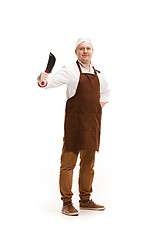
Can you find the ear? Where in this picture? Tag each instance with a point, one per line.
(76, 51)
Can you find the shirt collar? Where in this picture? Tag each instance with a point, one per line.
(84, 66)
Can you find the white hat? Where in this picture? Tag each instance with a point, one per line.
(80, 40)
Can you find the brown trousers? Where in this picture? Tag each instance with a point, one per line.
(86, 173)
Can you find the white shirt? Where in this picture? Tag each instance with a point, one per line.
(70, 76)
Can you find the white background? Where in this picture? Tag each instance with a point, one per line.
(126, 37)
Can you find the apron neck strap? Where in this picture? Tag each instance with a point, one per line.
(79, 66)
(95, 71)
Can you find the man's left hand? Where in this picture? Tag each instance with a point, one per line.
(103, 103)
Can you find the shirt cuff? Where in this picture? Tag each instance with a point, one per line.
(104, 97)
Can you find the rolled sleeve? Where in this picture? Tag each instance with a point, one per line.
(57, 79)
(104, 89)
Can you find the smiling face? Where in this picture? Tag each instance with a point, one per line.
(84, 52)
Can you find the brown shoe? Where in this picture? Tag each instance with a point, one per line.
(90, 205)
(69, 210)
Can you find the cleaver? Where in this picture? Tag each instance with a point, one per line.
(50, 64)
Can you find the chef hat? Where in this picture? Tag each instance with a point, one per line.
(80, 40)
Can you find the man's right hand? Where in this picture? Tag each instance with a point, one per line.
(42, 79)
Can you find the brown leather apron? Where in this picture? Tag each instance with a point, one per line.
(82, 125)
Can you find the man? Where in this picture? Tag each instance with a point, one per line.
(87, 92)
